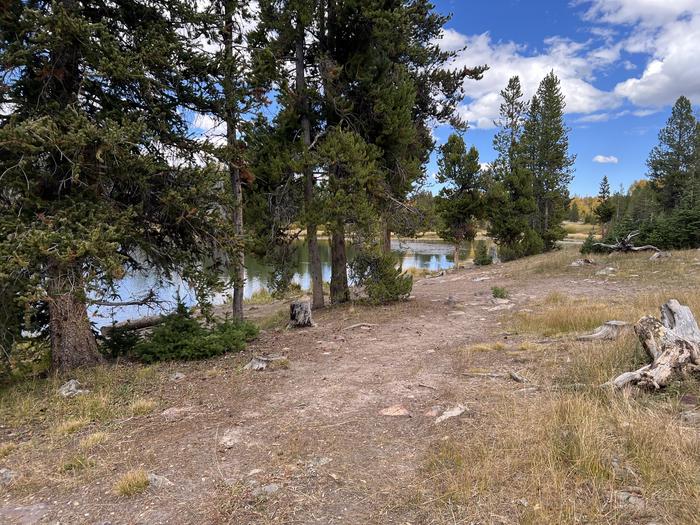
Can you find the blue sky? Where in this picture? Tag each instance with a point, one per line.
(622, 64)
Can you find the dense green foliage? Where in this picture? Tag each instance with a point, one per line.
(666, 210)
(381, 275)
(460, 202)
(481, 254)
(181, 337)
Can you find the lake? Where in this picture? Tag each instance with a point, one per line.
(429, 255)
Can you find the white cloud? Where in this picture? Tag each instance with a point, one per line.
(573, 62)
(667, 32)
(606, 159)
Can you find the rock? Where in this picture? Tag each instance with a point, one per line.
(660, 255)
(319, 462)
(72, 389)
(583, 262)
(7, 476)
(630, 497)
(231, 438)
(396, 411)
(159, 482)
(689, 400)
(690, 417)
(266, 490)
(479, 279)
(262, 362)
(177, 376)
(24, 514)
(434, 411)
(451, 301)
(452, 412)
(175, 413)
(255, 472)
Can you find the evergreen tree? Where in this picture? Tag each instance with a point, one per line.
(510, 199)
(546, 147)
(605, 211)
(100, 172)
(459, 204)
(671, 162)
(574, 215)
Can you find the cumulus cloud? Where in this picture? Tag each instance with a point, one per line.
(574, 63)
(606, 159)
(667, 32)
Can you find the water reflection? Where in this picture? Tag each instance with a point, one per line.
(424, 255)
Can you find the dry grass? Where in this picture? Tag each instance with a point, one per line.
(69, 426)
(262, 296)
(77, 463)
(558, 314)
(141, 407)
(133, 482)
(561, 459)
(6, 449)
(93, 440)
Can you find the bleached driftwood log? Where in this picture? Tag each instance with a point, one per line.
(626, 245)
(300, 314)
(606, 332)
(672, 343)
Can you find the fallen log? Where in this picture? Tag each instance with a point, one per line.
(609, 331)
(133, 324)
(672, 343)
(626, 245)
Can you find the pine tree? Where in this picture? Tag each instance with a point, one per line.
(671, 162)
(100, 172)
(574, 215)
(460, 203)
(605, 210)
(546, 146)
(510, 199)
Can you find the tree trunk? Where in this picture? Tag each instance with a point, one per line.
(315, 269)
(456, 256)
(339, 273)
(73, 343)
(234, 169)
(386, 236)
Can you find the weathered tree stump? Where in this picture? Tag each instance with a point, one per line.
(300, 314)
(606, 332)
(673, 345)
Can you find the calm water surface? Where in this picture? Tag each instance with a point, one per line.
(428, 255)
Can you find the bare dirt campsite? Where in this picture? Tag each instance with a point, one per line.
(451, 407)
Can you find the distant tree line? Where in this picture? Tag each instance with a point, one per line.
(665, 209)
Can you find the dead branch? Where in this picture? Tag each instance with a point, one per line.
(626, 245)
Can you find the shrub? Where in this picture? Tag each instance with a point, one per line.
(499, 293)
(381, 275)
(119, 342)
(588, 245)
(182, 337)
(481, 254)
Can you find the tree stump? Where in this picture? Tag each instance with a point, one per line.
(300, 314)
(673, 345)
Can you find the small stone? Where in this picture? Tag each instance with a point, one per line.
(177, 376)
(452, 412)
(396, 411)
(689, 400)
(606, 271)
(582, 262)
(630, 497)
(72, 389)
(690, 417)
(255, 472)
(230, 438)
(7, 476)
(266, 490)
(319, 462)
(154, 480)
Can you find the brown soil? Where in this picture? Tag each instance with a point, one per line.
(311, 428)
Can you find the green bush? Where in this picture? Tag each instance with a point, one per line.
(481, 254)
(499, 292)
(381, 275)
(180, 337)
(588, 245)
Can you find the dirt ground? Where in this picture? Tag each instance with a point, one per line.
(308, 442)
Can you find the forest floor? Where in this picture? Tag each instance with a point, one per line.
(346, 429)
